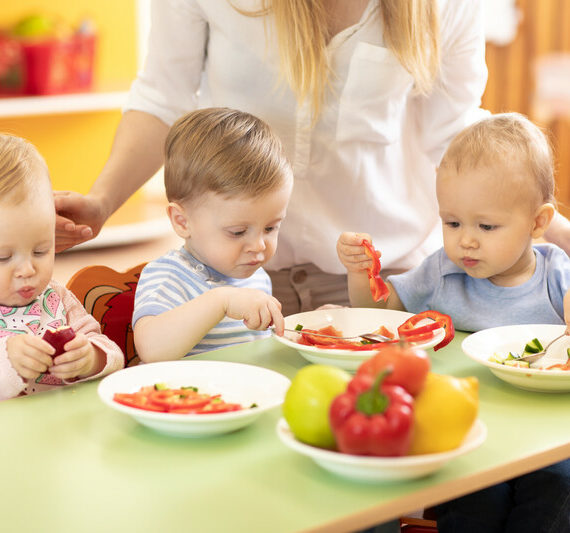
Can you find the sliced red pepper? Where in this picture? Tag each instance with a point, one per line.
(408, 328)
(137, 400)
(378, 288)
(358, 347)
(219, 407)
(171, 399)
(385, 332)
(418, 337)
(178, 401)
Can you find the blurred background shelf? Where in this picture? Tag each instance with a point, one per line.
(62, 103)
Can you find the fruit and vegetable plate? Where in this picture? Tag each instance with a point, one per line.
(194, 398)
(424, 330)
(499, 348)
(393, 420)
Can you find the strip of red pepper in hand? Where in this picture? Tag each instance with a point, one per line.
(373, 418)
(378, 288)
(440, 320)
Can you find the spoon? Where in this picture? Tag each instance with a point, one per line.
(532, 358)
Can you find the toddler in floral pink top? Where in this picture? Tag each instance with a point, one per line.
(30, 301)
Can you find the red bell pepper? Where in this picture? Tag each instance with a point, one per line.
(373, 418)
(410, 367)
(378, 288)
(409, 328)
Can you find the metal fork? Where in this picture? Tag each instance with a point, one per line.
(374, 337)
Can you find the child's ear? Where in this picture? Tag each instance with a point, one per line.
(542, 219)
(178, 219)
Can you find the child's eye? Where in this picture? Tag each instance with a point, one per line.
(452, 224)
(240, 233)
(4, 258)
(40, 253)
(487, 227)
(269, 229)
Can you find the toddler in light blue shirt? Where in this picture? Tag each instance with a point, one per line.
(495, 189)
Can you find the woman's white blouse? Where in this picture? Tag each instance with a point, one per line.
(368, 164)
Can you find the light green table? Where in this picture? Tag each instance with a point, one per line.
(71, 464)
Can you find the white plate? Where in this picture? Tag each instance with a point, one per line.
(351, 321)
(366, 468)
(483, 344)
(236, 382)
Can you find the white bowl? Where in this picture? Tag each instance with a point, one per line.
(236, 382)
(367, 468)
(485, 343)
(351, 321)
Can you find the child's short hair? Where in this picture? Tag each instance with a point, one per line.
(507, 139)
(224, 151)
(19, 159)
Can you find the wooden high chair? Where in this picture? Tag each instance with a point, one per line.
(110, 297)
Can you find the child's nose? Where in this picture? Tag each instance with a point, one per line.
(25, 269)
(468, 240)
(258, 244)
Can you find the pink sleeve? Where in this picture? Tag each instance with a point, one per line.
(82, 322)
(11, 384)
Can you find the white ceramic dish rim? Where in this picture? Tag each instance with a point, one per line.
(106, 391)
(554, 374)
(352, 354)
(476, 436)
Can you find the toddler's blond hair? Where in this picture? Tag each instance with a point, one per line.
(19, 161)
(224, 151)
(505, 140)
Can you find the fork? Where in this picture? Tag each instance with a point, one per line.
(532, 358)
(374, 337)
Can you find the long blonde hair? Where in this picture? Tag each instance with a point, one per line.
(411, 32)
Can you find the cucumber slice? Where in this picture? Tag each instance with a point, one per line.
(534, 346)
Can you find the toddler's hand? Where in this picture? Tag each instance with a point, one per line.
(80, 359)
(29, 355)
(351, 252)
(257, 309)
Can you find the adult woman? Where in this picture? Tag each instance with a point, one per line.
(364, 94)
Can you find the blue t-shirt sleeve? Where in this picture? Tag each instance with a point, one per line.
(557, 266)
(416, 287)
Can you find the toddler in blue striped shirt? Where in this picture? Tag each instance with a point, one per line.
(228, 183)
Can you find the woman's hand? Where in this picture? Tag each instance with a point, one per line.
(351, 252)
(78, 218)
(81, 359)
(29, 355)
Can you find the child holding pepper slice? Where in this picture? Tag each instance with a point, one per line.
(495, 189)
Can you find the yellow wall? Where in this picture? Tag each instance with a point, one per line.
(76, 145)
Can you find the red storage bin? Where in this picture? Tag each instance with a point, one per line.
(47, 66)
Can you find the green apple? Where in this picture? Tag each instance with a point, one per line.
(34, 26)
(307, 402)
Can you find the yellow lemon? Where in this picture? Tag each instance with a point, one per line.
(444, 412)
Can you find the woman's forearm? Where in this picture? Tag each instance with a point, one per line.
(136, 155)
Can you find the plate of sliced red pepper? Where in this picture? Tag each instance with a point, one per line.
(429, 329)
(194, 398)
(372, 468)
